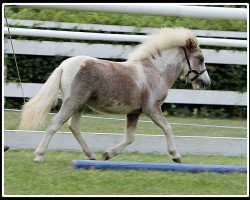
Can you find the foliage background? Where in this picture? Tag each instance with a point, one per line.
(36, 69)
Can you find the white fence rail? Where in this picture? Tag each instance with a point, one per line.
(113, 37)
(116, 28)
(50, 48)
(182, 96)
(163, 9)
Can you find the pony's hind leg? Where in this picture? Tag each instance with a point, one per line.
(69, 106)
(74, 126)
(159, 119)
(131, 124)
(56, 122)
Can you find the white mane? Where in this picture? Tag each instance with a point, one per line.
(164, 38)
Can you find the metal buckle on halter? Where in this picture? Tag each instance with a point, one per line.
(192, 70)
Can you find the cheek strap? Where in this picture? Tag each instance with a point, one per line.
(190, 69)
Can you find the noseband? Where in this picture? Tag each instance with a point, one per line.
(192, 70)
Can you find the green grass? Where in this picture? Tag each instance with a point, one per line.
(12, 119)
(22, 176)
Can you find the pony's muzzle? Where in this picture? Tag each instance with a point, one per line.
(202, 83)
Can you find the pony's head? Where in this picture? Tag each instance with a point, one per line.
(193, 67)
(194, 70)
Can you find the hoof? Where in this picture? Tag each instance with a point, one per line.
(177, 160)
(39, 158)
(92, 157)
(105, 156)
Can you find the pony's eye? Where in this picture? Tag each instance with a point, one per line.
(201, 59)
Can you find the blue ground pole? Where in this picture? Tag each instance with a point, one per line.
(88, 164)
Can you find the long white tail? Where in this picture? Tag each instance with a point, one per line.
(36, 111)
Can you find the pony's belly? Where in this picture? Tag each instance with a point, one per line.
(115, 107)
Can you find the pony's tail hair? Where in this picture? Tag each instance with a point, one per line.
(36, 110)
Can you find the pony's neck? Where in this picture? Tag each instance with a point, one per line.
(169, 63)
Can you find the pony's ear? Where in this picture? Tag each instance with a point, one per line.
(191, 44)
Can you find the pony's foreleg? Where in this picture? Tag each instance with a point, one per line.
(74, 126)
(131, 124)
(159, 119)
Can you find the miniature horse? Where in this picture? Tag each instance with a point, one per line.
(138, 85)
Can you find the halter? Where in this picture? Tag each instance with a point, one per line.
(192, 70)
